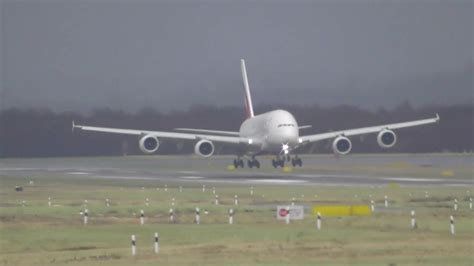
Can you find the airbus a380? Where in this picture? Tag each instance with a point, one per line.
(275, 132)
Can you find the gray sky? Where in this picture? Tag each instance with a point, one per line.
(79, 55)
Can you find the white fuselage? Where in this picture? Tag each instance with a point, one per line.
(272, 129)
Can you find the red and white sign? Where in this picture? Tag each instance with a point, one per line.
(296, 212)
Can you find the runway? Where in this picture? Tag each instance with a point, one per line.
(322, 170)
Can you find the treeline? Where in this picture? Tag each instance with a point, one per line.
(43, 133)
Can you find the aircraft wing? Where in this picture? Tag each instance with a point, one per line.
(207, 131)
(365, 130)
(167, 135)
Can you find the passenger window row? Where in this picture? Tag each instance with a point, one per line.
(286, 125)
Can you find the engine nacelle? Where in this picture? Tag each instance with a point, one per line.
(205, 148)
(341, 145)
(386, 138)
(149, 144)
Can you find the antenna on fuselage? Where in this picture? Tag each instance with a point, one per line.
(248, 99)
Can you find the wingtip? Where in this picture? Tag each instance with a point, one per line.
(437, 117)
(73, 126)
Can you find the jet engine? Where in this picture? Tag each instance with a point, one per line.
(386, 138)
(341, 145)
(149, 144)
(205, 148)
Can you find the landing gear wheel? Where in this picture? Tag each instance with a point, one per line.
(274, 163)
(250, 163)
(239, 163)
(296, 162)
(253, 163)
(300, 162)
(281, 163)
(257, 164)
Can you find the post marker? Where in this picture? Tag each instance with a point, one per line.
(142, 217)
(451, 221)
(318, 221)
(197, 218)
(134, 248)
(413, 220)
(86, 215)
(157, 243)
(231, 216)
(171, 215)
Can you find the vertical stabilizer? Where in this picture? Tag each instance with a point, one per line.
(248, 98)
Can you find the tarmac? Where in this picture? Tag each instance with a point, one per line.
(319, 170)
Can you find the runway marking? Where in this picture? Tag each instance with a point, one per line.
(410, 179)
(18, 169)
(125, 177)
(78, 173)
(188, 172)
(276, 181)
(309, 176)
(191, 177)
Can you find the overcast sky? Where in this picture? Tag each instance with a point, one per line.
(80, 55)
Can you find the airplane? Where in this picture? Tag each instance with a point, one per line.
(275, 132)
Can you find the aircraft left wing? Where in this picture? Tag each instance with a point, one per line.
(365, 130)
(207, 131)
(167, 135)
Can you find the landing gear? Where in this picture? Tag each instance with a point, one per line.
(278, 162)
(238, 163)
(296, 162)
(253, 162)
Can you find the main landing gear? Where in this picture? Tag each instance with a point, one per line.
(253, 162)
(296, 162)
(250, 163)
(277, 162)
(280, 162)
(238, 163)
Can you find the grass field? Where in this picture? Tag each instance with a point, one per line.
(36, 234)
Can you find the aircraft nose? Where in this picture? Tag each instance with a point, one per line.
(288, 135)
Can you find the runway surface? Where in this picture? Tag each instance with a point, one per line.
(354, 170)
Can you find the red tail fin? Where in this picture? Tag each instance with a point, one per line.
(248, 99)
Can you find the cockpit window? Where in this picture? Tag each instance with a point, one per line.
(286, 125)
